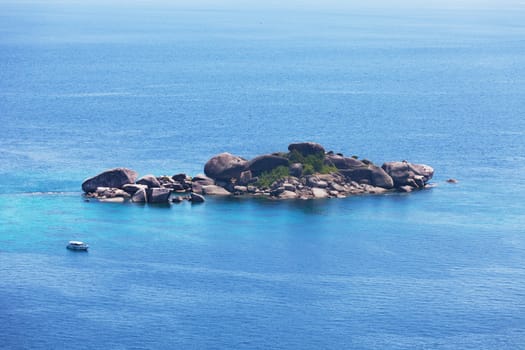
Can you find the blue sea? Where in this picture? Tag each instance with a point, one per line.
(161, 87)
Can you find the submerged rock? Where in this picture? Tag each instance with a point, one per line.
(319, 193)
(196, 198)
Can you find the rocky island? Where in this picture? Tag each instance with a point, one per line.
(306, 171)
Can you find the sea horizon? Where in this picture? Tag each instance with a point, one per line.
(162, 87)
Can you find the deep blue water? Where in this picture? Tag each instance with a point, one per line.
(161, 88)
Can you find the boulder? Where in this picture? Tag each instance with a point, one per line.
(109, 192)
(196, 198)
(266, 163)
(276, 191)
(341, 162)
(380, 178)
(318, 181)
(424, 170)
(225, 166)
(149, 180)
(158, 195)
(165, 180)
(214, 190)
(203, 180)
(307, 148)
(199, 181)
(240, 189)
(289, 187)
(288, 195)
(358, 175)
(319, 193)
(116, 178)
(180, 177)
(399, 172)
(133, 188)
(336, 187)
(140, 196)
(452, 181)
(404, 173)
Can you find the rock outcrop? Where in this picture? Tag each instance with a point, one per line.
(306, 172)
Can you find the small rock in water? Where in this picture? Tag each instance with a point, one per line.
(196, 198)
(452, 181)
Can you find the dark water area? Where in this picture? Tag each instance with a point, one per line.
(162, 88)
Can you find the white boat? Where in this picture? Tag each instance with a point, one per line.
(77, 245)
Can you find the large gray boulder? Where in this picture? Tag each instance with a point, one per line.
(266, 163)
(380, 178)
(225, 166)
(158, 195)
(307, 148)
(140, 196)
(399, 172)
(115, 178)
(407, 174)
(341, 162)
(214, 190)
(149, 180)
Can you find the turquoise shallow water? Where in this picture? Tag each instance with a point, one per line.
(162, 88)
